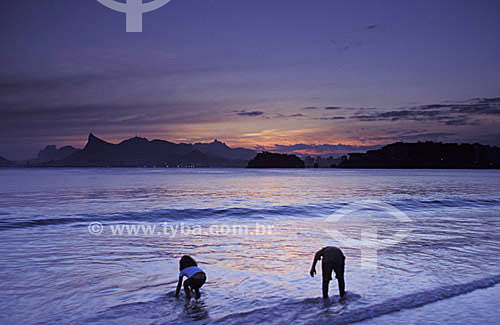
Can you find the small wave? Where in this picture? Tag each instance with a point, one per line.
(429, 204)
(165, 309)
(416, 300)
(163, 215)
(304, 311)
(5, 225)
(321, 210)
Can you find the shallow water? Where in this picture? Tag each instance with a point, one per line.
(52, 269)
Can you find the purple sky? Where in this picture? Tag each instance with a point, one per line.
(259, 74)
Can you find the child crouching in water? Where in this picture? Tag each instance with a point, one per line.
(195, 277)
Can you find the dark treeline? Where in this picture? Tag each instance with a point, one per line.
(427, 155)
(275, 160)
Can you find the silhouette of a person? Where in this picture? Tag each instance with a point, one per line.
(332, 260)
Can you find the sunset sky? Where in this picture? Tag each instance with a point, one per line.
(281, 75)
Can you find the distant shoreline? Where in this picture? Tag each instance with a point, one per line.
(142, 153)
(244, 168)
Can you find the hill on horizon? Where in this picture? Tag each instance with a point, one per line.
(5, 162)
(275, 160)
(141, 152)
(427, 155)
(137, 151)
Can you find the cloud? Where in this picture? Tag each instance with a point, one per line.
(488, 138)
(458, 114)
(333, 118)
(317, 149)
(285, 116)
(252, 113)
(69, 120)
(18, 86)
(462, 121)
(429, 136)
(345, 45)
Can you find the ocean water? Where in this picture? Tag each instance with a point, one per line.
(54, 268)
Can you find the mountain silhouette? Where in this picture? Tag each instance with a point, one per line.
(5, 163)
(220, 149)
(51, 152)
(138, 152)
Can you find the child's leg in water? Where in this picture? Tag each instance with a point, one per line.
(340, 279)
(187, 289)
(326, 283)
(196, 292)
(326, 270)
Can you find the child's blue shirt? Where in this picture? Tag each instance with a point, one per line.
(190, 271)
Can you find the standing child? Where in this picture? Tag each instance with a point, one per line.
(332, 260)
(195, 277)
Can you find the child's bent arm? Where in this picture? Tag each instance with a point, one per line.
(317, 257)
(179, 285)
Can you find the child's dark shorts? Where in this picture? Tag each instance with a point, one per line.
(333, 266)
(197, 280)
